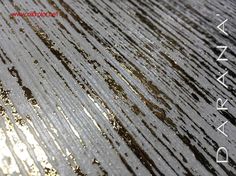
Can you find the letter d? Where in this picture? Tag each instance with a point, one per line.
(224, 150)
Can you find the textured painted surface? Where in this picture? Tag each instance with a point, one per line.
(115, 88)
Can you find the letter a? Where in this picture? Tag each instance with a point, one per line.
(221, 27)
(223, 79)
(223, 128)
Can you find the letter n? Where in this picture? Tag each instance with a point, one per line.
(224, 49)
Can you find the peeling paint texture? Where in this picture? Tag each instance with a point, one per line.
(111, 87)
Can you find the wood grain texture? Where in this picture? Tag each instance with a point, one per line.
(116, 87)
